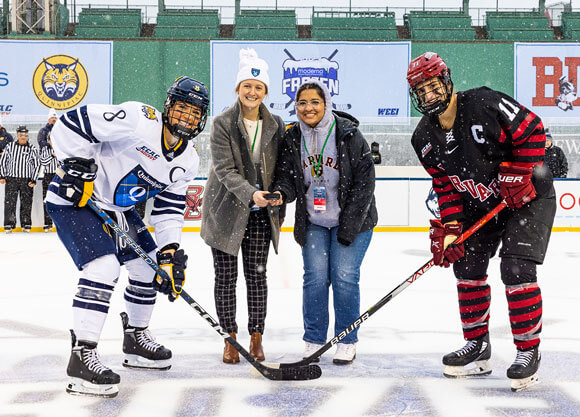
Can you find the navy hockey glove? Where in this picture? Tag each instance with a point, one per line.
(515, 185)
(77, 176)
(444, 251)
(174, 265)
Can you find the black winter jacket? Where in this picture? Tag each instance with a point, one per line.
(556, 160)
(358, 212)
(43, 135)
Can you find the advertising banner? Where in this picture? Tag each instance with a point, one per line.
(546, 78)
(366, 80)
(38, 75)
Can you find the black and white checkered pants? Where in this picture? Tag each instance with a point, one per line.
(255, 247)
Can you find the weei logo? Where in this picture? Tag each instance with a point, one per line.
(299, 71)
(60, 82)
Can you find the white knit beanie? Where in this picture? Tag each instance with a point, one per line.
(52, 113)
(252, 68)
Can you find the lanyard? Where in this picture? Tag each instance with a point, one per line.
(317, 165)
(256, 133)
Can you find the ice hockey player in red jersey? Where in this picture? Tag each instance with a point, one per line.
(481, 146)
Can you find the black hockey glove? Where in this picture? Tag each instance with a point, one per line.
(174, 265)
(77, 176)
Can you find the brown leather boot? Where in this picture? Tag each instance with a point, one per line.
(231, 355)
(256, 349)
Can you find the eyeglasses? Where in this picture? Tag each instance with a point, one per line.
(303, 103)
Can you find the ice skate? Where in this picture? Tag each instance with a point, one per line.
(470, 360)
(524, 371)
(141, 350)
(88, 375)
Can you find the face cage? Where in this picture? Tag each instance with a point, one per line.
(181, 131)
(439, 106)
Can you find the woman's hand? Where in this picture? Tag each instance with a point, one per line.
(259, 199)
(278, 202)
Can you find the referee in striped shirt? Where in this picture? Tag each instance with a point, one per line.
(19, 168)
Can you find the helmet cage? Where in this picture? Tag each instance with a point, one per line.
(186, 90)
(438, 106)
(424, 68)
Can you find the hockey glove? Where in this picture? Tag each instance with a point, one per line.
(444, 251)
(77, 176)
(515, 185)
(174, 265)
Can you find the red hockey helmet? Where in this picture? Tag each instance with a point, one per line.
(423, 68)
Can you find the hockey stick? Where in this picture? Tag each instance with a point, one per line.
(298, 372)
(416, 275)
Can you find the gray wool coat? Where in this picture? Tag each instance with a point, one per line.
(232, 178)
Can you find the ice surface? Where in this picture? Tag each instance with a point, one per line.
(398, 370)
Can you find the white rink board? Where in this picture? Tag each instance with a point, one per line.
(400, 203)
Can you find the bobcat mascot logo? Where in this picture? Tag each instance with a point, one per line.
(60, 82)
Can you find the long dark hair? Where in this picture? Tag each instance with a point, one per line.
(311, 86)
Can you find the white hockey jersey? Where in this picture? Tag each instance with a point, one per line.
(126, 142)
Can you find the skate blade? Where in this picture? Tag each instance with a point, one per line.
(139, 362)
(479, 368)
(524, 383)
(77, 386)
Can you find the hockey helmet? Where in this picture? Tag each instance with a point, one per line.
(190, 91)
(423, 68)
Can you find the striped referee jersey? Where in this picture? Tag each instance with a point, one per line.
(20, 161)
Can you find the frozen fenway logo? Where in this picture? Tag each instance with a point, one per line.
(299, 71)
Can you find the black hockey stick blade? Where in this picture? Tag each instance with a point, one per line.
(274, 373)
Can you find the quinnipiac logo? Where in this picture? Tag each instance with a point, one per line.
(60, 82)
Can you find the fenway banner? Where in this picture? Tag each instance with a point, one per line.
(364, 79)
(38, 75)
(546, 78)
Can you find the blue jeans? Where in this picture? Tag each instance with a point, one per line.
(328, 262)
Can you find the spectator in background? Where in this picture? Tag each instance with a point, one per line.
(44, 132)
(244, 145)
(19, 167)
(325, 164)
(5, 137)
(49, 162)
(555, 158)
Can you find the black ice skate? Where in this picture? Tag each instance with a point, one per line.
(88, 375)
(141, 350)
(524, 370)
(470, 360)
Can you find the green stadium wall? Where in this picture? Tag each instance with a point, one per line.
(144, 69)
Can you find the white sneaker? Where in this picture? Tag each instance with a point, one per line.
(345, 354)
(309, 349)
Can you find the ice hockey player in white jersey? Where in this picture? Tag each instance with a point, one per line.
(121, 155)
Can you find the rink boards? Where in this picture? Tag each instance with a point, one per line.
(403, 205)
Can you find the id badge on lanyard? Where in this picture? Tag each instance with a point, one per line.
(319, 198)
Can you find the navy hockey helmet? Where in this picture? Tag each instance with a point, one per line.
(186, 90)
(424, 68)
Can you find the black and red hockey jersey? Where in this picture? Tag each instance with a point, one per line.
(490, 128)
